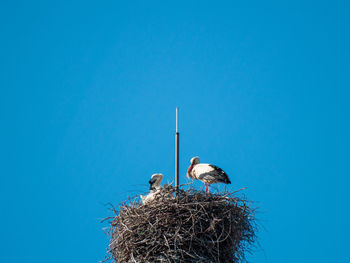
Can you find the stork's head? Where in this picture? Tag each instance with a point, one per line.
(154, 182)
(194, 161)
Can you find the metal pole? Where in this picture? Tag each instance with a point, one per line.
(177, 151)
(177, 135)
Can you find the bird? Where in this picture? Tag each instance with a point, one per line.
(154, 186)
(207, 173)
(154, 182)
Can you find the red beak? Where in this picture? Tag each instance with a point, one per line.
(189, 171)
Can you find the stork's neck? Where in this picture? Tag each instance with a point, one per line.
(189, 170)
(156, 185)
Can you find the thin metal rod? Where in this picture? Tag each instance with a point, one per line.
(177, 119)
(177, 150)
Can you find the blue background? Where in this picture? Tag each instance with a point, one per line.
(88, 97)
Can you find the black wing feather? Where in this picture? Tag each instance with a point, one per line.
(220, 174)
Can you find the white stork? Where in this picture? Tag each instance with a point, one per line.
(207, 173)
(154, 186)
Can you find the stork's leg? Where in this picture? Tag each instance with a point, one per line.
(208, 188)
(205, 184)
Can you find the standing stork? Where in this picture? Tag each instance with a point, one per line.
(154, 186)
(207, 173)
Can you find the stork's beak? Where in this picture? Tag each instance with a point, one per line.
(189, 170)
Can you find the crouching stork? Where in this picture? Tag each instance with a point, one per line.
(154, 187)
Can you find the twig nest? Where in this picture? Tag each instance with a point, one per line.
(188, 227)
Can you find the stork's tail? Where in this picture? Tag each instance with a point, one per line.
(226, 180)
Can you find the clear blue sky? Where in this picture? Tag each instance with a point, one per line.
(88, 96)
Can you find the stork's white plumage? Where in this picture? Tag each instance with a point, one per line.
(207, 173)
(154, 186)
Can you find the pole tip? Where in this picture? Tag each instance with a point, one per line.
(177, 119)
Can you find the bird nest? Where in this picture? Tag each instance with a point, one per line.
(189, 226)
